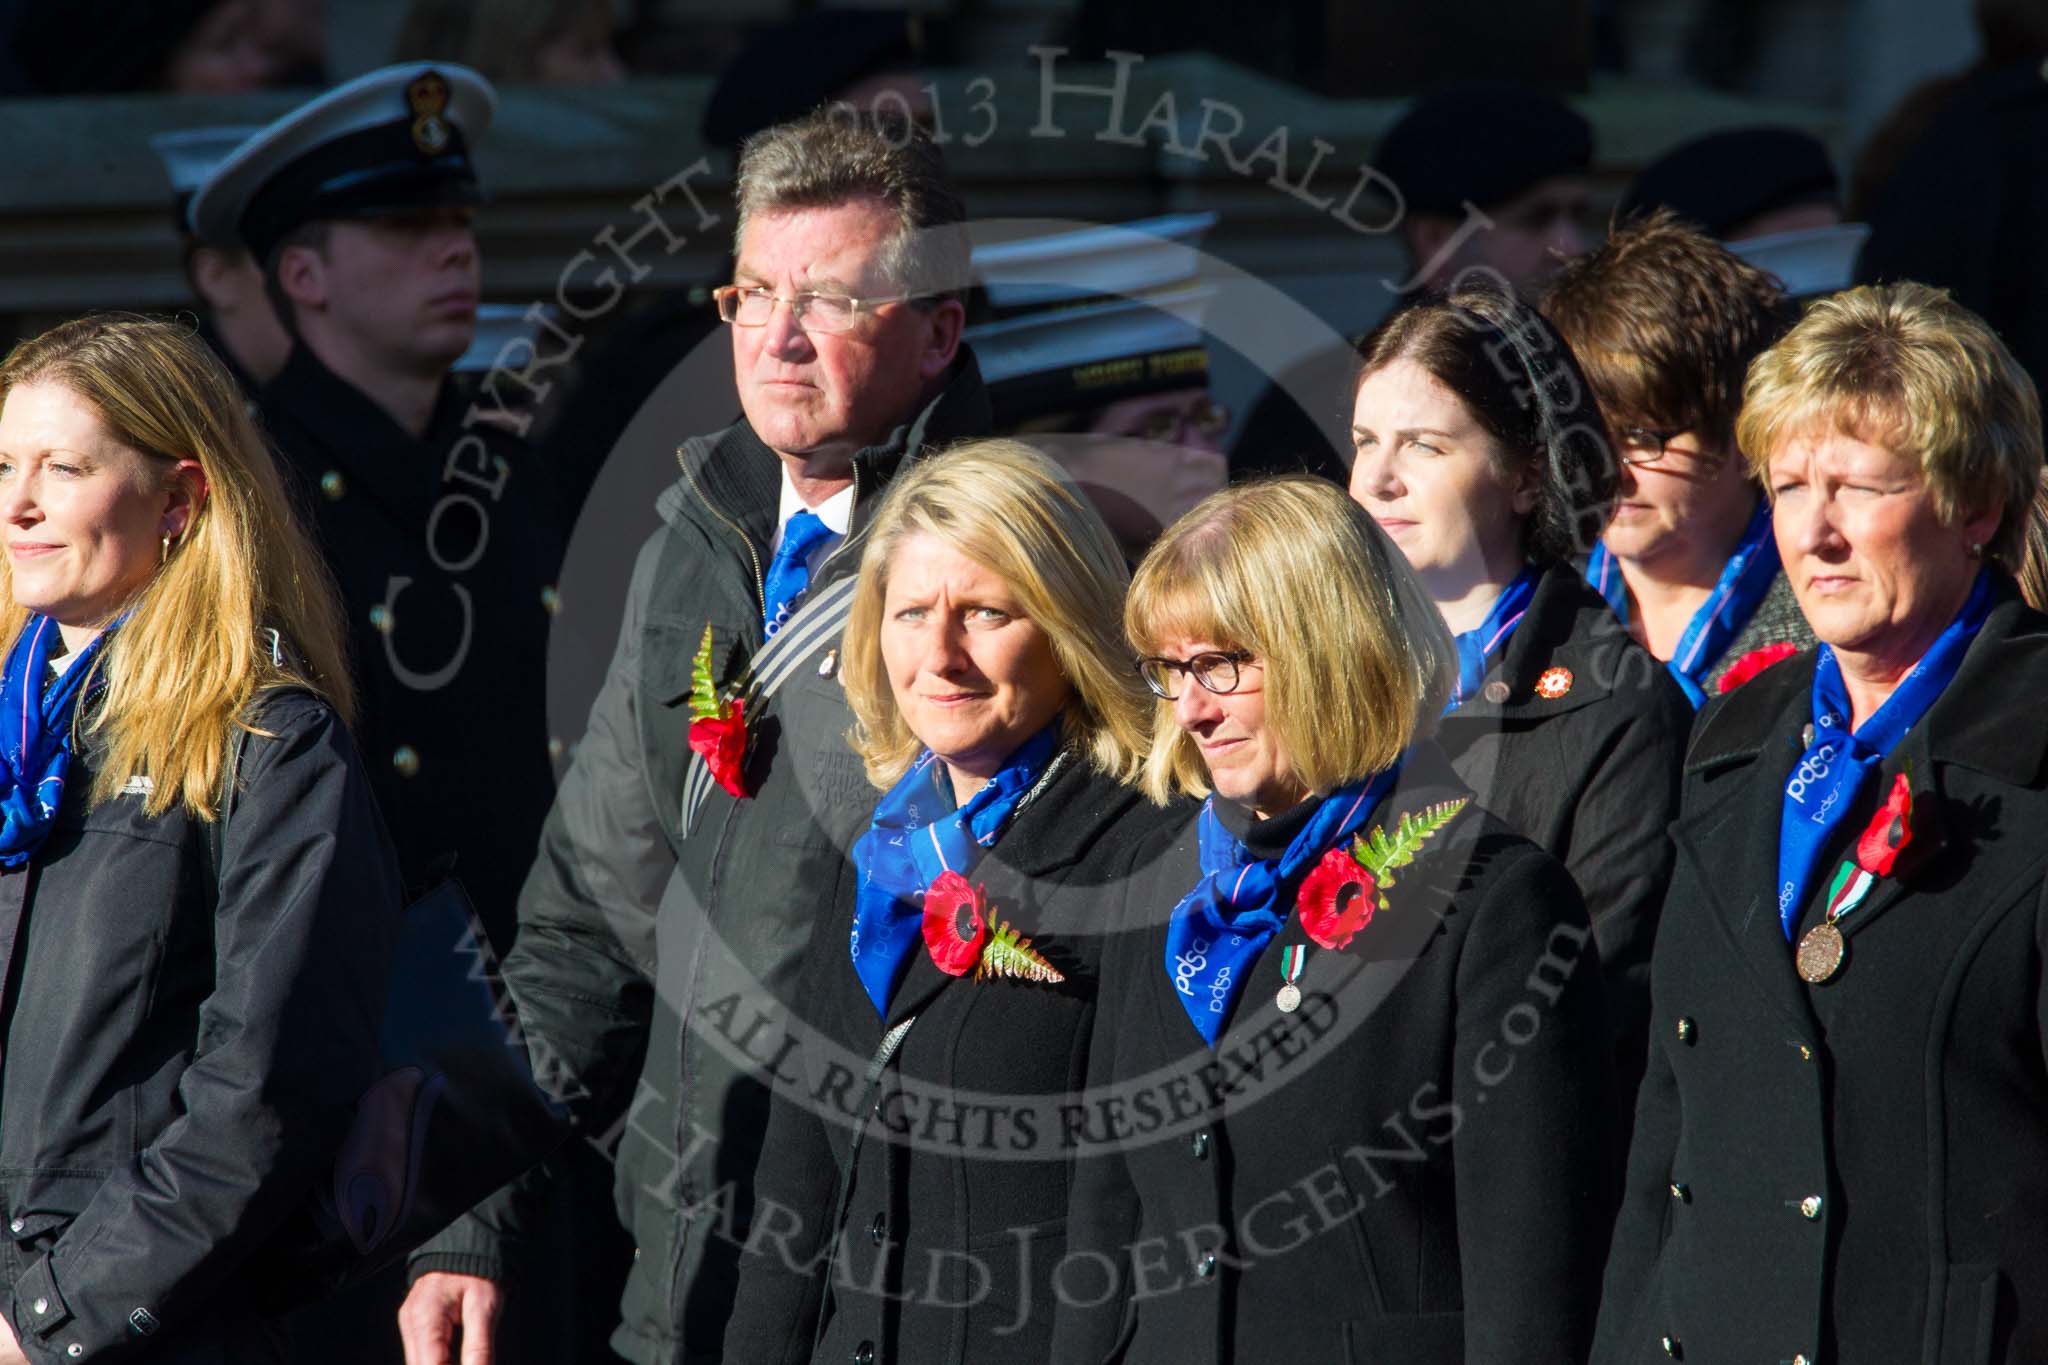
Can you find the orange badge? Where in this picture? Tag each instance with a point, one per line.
(1554, 683)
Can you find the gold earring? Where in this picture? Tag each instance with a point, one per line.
(163, 553)
(1976, 550)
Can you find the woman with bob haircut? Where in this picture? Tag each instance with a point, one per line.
(1481, 454)
(1841, 1150)
(1349, 1082)
(997, 712)
(186, 1032)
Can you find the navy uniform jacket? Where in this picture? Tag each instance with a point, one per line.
(446, 556)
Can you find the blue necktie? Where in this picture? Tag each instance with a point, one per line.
(789, 573)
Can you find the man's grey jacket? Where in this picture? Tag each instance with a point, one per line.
(650, 962)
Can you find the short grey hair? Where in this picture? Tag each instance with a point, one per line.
(837, 154)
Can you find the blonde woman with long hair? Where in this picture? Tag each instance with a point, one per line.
(185, 1033)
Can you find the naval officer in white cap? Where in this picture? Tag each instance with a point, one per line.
(358, 205)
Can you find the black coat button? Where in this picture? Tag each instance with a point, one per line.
(864, 1354)
(878, 1231)
(1200, 1146)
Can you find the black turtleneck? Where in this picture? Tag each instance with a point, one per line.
(1265, 839)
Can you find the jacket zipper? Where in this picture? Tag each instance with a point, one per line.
(753, 557)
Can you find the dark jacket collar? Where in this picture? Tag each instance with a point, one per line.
(1566, 625)
(1970, 724)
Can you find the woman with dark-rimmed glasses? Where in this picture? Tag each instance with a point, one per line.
(1664, 321)
(1347, 1084)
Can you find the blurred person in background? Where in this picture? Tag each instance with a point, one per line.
(207, 47)
(237, 318)
(1664, 322)
(516, 42)
(1953, 189)
(1769, 194)
(1493, 179)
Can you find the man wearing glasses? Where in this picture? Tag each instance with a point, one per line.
(675, 889)
(1664, 321)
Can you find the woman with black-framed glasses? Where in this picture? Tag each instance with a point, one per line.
(1665, 322)
(1348, 1079)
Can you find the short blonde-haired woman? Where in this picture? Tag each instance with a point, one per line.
(1844, 1126)
(1348, 1086)
(185, 1041)
(998, 712)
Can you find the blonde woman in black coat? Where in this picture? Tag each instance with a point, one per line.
(1841, 1151)
(1347, 1093)
(185, 1035)
(1480, 452)
(914, 1185)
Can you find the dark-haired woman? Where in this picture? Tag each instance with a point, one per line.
(1480, 453)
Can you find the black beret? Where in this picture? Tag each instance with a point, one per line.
(793, 68)
(1723, 180)
(1484, 143)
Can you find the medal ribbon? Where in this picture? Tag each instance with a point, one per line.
(1240, 902)
(1823, 785)
(917, 833)
(1477, 646)
(1744, 583)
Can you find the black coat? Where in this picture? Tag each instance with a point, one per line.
(180, 1064)
(453, 694)
(1411, 1168)
(1856, 1170)
(983, 1071)
(1590, 775)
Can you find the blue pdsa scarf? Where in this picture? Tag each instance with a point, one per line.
(917, 832)
(35, 736)
(1478, 646)
(1221, 926)
(1829, 774)
(1744, 583)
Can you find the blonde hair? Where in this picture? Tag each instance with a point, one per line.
(188, 660)
(1358, 663)
(1906, 366)
(1014, 512)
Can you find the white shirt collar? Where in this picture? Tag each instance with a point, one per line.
(836, 511)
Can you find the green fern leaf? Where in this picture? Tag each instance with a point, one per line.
(1380, 855)
(704, 704)
(1007, 955)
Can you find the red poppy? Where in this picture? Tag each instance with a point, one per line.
(955, 922)
(1755, 662)
(722, 739)
(1889, 831)
(1337, 899)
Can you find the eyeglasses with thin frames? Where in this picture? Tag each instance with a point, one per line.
(1215, 670)
(1657, 452)
(749, 305)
